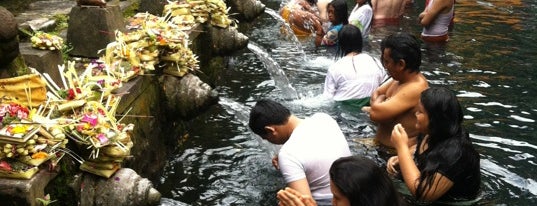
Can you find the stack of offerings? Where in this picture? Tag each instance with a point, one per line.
(180, 15)
(25, 145)
(154, 40)
(85, 107)
(107, 141)
(185, 12)
(46, 41)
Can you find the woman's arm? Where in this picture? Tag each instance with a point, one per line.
(440, 184)
(430, 13)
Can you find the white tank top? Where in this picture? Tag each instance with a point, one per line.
(439, 26)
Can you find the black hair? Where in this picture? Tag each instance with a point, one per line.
(362, 182)
(449, 145)
(349, 40)
(341, 11)
(267, 112)
(404, 46)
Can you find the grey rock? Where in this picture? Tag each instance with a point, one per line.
(246, 9)
(92, 28)
(25, 192)
(44, 61)
(124, 188)
(9, 44)
(154, 7)
(186, 96)
(8, 27)
(225, 41)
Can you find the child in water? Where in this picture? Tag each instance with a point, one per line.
(338, 16)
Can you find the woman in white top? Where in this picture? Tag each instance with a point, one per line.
(356, 75)
(361, 16)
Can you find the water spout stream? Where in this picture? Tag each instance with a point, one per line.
(276, 73)
(287, 31)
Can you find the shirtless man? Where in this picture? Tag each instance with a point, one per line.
(395, 101)
(388, 10)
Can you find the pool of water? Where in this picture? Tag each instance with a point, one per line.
(489, 62)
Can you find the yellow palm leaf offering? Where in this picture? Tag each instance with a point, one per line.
(82, 107)
(46, 41)
(22, 148)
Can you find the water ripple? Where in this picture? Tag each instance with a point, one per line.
(522, 119)
(509, 142)
(495, 104)
(509, 177)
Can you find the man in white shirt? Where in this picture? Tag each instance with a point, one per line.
(309, 146)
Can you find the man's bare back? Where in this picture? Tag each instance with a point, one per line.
(388, 9)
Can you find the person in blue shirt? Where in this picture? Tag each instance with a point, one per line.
(338, 16)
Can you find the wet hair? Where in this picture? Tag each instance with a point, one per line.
(349, 40)
(448, 142)
(362, 182)
(404, 46)
(267, 112)
(341, 11)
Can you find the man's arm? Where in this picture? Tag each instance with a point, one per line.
(404, 99)
(381, 90)
(301, 186)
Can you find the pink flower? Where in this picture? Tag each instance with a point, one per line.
(102, 138)
(91, 119)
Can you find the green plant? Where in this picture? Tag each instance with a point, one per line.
(62, 22)
(45, 200)
(131, 10)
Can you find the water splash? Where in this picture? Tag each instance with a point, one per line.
(287, 31)
(276, 73)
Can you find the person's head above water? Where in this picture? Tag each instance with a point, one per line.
(350, 40)
(338, 12)
(266, 113)
(356, 180)
(403, 46)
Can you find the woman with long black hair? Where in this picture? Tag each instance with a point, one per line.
(445, 166)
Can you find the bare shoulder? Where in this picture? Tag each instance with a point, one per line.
(412, 89)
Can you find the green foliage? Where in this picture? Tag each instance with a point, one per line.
(45, 200)
(62, 21)
(67, 47)
(59, 187)
(131, 10)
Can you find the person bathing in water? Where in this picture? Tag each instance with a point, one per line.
(338, 15)
(356, 75)
(444, 166)
(305, 17)
(394, 102)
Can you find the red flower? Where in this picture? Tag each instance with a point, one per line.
(71, 93)
(5, 166)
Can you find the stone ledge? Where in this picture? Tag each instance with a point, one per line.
(25, 192)
(44, 61)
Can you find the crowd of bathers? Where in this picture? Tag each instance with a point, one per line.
(422, 124)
